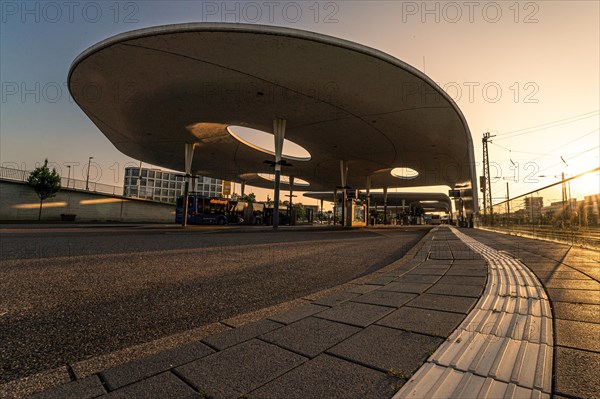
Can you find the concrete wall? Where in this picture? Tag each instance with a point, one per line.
(18, 201)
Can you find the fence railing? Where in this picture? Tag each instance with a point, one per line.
(566, 211)
(65, 182)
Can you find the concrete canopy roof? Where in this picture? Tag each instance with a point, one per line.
(429, 201)
(152, 90)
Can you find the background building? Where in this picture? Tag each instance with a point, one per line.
(162, 186)
(533, 208)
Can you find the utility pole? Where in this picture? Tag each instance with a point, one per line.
(507, 199)
(487, 195)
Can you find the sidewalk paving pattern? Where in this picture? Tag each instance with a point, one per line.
(570, 276)
(503, 348)
(367, 341)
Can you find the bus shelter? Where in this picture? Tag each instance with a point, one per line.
(176, 96)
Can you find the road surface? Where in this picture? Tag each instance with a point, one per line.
(71, 294)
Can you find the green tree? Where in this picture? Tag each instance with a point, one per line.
(46, 183)
(300, 211)
(250, 198)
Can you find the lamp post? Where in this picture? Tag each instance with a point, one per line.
(87, 179)
(69, 175)
(139, 181)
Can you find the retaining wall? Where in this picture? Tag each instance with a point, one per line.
(19, 202)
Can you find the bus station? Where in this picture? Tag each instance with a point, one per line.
(176, 122)
(399, 291)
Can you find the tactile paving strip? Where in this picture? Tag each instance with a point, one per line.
(503, 348)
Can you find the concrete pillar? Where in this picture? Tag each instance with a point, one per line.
(385, 190)
(243, 184)
(279, 134)
(189, 156)
(344, 175)
(368, 212)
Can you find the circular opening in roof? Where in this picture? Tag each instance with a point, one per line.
(264, 142)
(404, 173)
(284, 179)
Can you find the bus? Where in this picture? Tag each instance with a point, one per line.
(209, 210)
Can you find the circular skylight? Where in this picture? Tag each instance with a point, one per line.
(264, 142)
(284, 179)
(404, 173)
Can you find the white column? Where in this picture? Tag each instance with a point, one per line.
(189, 156)
(344, 175)
(279, 134)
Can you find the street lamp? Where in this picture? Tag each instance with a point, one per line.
(69, 175)
(87, 180)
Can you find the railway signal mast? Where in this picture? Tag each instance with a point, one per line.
(487, 181)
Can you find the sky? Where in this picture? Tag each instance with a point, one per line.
(527, 72)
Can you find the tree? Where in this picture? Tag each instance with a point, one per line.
(250, 198)
(45, 183)
(300, 211)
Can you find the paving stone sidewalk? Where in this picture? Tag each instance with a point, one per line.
(570, 276)
(364, 342)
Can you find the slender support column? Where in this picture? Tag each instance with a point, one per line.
(385, 205)
(321, 209)
(344, 175)
(189, 155)
(291, 189)
(243, 184)
(368, 213)
(335, 206)
(279, 134)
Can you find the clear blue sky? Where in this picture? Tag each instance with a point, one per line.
(510, 66)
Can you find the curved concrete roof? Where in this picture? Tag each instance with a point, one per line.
(152, 90)
(429, 201)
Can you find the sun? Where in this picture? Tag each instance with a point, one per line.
(585, 185)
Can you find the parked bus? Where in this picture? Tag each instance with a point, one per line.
(209, 210)
(213, 210)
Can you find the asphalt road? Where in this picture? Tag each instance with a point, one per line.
(69, 295)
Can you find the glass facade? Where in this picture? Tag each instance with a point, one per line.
(163, 186)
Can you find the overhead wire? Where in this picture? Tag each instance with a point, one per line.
(549, 153)
(547, 125)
